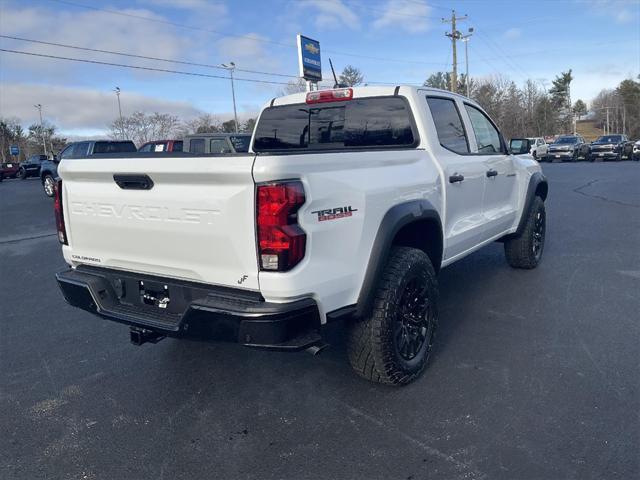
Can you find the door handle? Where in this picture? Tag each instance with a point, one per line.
(456, 177)
(491, 173)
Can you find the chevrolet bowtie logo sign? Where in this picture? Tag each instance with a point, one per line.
(311, 48)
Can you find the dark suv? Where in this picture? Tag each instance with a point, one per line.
(611, 147)
(49, 168)
(568, 148)
(31, 166)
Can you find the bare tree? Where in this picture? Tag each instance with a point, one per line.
(141, 128)
(294, 86)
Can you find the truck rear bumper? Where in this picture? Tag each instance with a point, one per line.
(175, 308)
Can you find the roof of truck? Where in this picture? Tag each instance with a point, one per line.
(367, 91)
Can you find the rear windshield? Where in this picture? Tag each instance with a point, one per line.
(114, 147)
(240, 142)
(359, 123)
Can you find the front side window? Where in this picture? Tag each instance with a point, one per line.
(196, 145)
(358, 123)
(446, 117)
(177, 146)
(487, 136)
(219, 145)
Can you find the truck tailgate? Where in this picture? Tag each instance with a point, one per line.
(196, 222)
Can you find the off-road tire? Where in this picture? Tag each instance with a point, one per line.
(525, 250)
(375, 344)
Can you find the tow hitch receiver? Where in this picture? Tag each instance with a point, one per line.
(140, 336)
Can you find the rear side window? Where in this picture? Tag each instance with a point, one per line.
(196, 145)
(487, 136)
(358, 123)
(219, 145)
(446, 116)
(114, 147)
(240, 142)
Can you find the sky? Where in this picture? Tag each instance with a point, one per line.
(391, 41)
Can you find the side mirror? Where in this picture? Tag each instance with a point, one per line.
(519, 146)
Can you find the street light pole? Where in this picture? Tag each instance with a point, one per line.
(231, 67)
(117, 91)
(44, 142)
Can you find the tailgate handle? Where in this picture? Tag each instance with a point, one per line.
(133, 181)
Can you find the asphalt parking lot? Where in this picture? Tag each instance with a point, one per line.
(535, 374)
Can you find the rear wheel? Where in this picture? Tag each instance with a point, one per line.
(525, 250)
(22, 174)
(393, 343)
(49, 185)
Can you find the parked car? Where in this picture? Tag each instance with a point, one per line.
(49, 168)
(611, 147)
(636, 151)
(539, 147)
(9, 170)
(217, 143)
(31, 166)
(354, 200)
(162, 146)
(568, 148)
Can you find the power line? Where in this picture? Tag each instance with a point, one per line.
(233, 35)
(131, 55)
(137, 67)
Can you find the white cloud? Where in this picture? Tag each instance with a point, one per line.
(210, 12)
(512, 33)
(331, 14)
(92, 29)
(73, 108)
(405, 15)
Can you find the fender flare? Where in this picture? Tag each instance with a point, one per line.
(537, 180)
(393, 221)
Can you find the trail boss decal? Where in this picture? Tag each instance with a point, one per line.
(335, 213)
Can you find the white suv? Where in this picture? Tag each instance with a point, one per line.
(539, 147)
(346, 207)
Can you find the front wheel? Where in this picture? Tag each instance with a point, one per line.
(22, 174)
(525, 250)
(49, 185)
(392, 344)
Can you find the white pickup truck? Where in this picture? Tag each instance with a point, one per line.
(347, 206)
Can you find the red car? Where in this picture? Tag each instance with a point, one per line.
(9, 170)
(158, 146)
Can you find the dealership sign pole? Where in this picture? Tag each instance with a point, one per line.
(309, 64)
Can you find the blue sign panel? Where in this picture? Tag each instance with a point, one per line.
(14, 150)
(309, 59)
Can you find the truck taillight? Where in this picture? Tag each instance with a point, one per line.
(57, 208)
(321, 96)
(281, 241)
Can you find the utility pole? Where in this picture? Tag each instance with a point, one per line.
(465, 39)
(117, 90)
(454, 35)
(231, 67)
(44, 142)
(608, 130)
